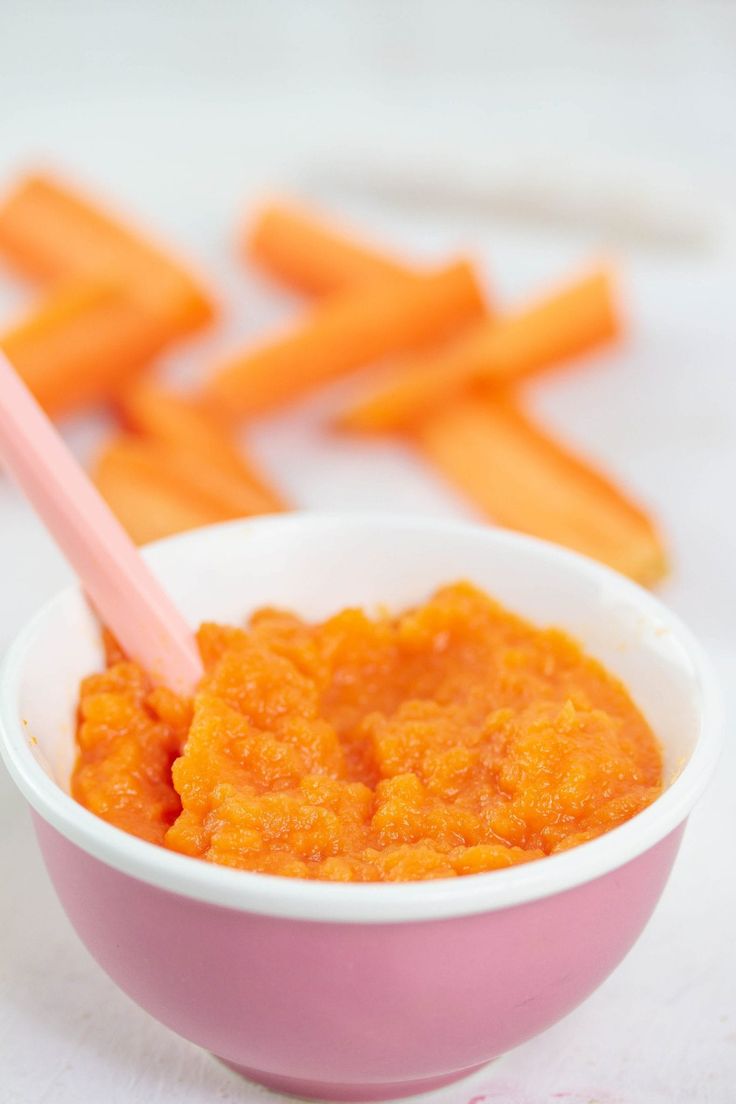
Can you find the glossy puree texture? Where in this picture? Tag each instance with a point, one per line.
(451, 739)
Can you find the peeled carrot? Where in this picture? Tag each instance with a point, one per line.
(147, 497)
(230, 496)
(525, 480)
(184, 423)
(157, 489)
(312, 256)
(233, 496)
(575, 320)
(80, 345)
(51, 233)
(353, 329)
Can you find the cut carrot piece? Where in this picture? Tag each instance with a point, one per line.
(80, 345)
(184, 423)
(311, 256)
(151, 490)
(232, 495)
(524, 480)
(353, 329)
(51, 234)
(215, 492)
(580, 317)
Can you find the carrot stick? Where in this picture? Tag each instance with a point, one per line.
(233, 496)
(525, 480)
(80, 345)
(556, 328)
(184, 423)
(148, 499)
(227, 494)
(311, 256)
(353, 329)
(157, 489)
(50, 233)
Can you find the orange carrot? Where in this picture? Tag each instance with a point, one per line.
(311, 256)
(233, 496)
(50, 233)
(353, 329)
(525, 480)
(148, 503)
(80, 345)
(184, 423)
(152, 494)
(575, 320)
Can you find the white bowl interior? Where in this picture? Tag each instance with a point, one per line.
(318, 565)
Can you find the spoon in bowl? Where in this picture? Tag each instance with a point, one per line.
(120, 584)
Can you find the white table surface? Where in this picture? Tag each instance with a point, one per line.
(184, 112)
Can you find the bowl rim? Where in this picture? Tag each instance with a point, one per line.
(369, 902)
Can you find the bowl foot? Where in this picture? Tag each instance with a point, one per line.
(357, 1091)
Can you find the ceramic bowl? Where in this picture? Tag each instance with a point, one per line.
(361, 991)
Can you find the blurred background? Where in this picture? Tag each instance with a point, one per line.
(538, 136)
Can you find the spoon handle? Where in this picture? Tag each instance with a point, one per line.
(121, 586)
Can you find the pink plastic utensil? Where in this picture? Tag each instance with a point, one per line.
(122, 588)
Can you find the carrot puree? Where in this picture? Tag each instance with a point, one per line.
(451, 739)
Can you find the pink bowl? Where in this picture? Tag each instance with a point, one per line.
(351, 992)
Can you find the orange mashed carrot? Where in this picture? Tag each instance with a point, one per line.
(452, 739)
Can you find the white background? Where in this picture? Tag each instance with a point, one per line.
(538, 135)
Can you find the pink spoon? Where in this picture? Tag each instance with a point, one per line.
(125, 593)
